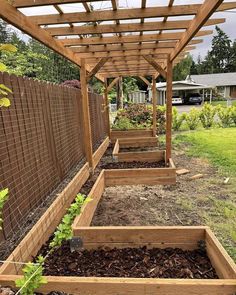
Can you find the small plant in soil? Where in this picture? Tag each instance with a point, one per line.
(3, 199)
(33, 277)
(64, 230)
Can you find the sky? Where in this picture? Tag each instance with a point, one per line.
(229, 27)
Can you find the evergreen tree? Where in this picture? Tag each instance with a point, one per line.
(182, 69)
(4, 32)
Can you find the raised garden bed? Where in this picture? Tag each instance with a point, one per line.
(140, 156)
(116, 134)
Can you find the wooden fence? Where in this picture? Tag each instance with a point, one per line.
(41, 140)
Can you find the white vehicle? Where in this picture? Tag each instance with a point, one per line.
(176, 99)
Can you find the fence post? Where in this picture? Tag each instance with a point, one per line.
(168, 109)
(107, 109)
(154, 106)
(86, 115)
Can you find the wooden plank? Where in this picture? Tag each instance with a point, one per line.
(129, 39)
(142, 234)
(222, 262)
(148, 156)
(88, 210)
(120, 14)
(140, 172)
(107, 109)
(207, 9)
(46, 225)
(131, 286)
(110, 86)
(35, 3)
(100, 152)
(86, 115)
(154, 106)
(138, 142)
(145, 81)
(141, 180)
(168, 110)
(149, 26)
(130, 133)
(98, 66)
(23, 23)
(155, 65)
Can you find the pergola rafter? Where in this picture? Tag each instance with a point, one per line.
(142, 41)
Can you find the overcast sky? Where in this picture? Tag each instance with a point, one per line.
(229, 26)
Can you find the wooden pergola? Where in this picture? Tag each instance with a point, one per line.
(111, 43)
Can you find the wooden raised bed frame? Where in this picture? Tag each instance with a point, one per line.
(162, 237)
(116, 134)
(140, 156)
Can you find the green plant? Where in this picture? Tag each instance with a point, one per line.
(4, 90)
(207, 115)
(64, 230)
(123, 123)
(33, 277)
(177, 119)
(233, 114)
(225, 115)
(3, 199)
(192, 118)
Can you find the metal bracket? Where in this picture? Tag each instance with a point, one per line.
(76, 243)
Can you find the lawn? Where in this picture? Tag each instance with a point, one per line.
(217, 207)
(217, 145)
(222, 102)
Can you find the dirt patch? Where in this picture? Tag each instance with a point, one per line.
(137, 149)
(131, 262)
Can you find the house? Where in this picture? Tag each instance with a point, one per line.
(138, 96)
(181, 89)
(224, 83)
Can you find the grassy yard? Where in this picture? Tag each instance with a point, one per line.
(218, 146)
(223, 103)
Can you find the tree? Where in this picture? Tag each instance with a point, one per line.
(182, 69)
(221, 52)
(4, 32)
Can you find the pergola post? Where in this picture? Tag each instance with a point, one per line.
(107, 108)
(119, 94)
(86, 115)
(154, 106)
(168, 109)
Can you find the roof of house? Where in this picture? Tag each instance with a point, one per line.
(221, 79)
(182, 85)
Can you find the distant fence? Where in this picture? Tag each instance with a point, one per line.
(41, 140)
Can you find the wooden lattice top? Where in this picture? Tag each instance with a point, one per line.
(116, 40)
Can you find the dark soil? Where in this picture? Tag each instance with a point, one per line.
(137, 149)
(130, 262)
(127, 165)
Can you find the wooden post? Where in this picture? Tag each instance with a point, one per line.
(154, 106)
(107, 110)
(86, 115)
(119, 94)
(168, 109)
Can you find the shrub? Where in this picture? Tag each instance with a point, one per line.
(123, 123)
(207, 115)
(233, 114)
(177, 119)
(192, 118)
(224, 115)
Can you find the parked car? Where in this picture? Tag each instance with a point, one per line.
(193, 98)
(176, 99)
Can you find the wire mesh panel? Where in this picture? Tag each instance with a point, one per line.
(40, 141)
(97, 119)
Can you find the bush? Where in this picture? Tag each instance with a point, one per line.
(225, 115)
(123, 123)
(177, 119)
(192, 118)
(207, 115)
(233, 114)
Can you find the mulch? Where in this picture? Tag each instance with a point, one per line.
(130, 263)
(128, 165)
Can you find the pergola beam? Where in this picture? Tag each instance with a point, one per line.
(127, 47)
(122, 14)
(206, 10)
(22, 22)
(110, 86)
(155, 65)
(97, 67)
(35, 3)
(128, 39)
(122, 28)
(145, 81)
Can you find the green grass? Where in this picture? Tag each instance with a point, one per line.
(222, 102)
(217, 145)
